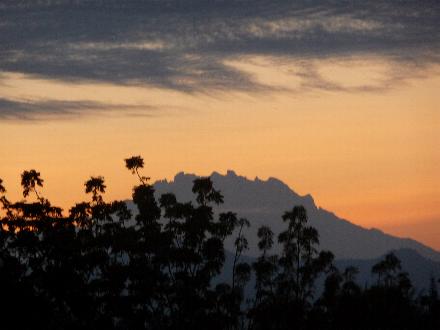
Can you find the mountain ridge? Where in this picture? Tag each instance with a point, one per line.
(263, 202)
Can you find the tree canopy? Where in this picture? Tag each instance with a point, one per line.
(101, 267)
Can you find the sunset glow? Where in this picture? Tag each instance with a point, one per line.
(359, 131)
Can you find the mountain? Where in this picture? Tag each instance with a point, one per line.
(264, 202)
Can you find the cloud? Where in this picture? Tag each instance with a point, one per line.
(186, 45)
(50, 109)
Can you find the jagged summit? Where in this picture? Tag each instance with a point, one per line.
(230, 173)
(272, 185)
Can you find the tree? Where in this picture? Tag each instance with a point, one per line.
(430, 303)
(134, 163)
(297, 269)
(29, 181)
(390, 302)
(96, 186)
(387, 270)
(300, 261)
(2, 188)
(101, 267)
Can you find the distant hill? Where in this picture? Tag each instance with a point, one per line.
(264, 202)
(419, 268)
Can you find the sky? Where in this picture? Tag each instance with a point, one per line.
(336, 99)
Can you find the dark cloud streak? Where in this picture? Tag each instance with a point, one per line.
(50, 109)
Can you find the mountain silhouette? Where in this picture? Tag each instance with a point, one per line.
(263, 202)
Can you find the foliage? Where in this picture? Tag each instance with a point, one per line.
(102, 267)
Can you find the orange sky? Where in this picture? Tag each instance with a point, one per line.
(368, 151)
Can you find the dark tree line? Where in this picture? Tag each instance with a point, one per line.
(100, 267)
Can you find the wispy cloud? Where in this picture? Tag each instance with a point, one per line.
(55, 109)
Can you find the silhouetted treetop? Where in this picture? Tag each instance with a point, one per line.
(2, 188)
(96, 186)
(166, 267)
(265, 235)
(134, 163)
(205, 192)
(29, 181)
(387, 269)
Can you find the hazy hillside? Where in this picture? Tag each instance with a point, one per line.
(263, 202)
(420, 269)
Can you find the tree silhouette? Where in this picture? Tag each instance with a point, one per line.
(96, 186)
(285, 284)
(2, 188)
(134, 163)
(430, 303)
(387, 270)
(29, 181)
(163, 267)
